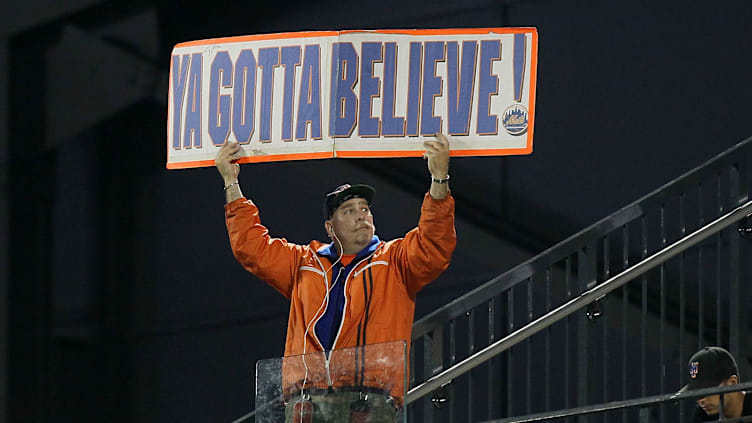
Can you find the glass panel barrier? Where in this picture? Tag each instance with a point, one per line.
(361, 384)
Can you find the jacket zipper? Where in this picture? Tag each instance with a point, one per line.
(326, 287)
(344, 307)
(347, 280)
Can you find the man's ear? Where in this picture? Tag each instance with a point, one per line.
(732, 380)
(328, 228)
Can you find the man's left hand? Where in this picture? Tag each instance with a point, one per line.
(437, 154)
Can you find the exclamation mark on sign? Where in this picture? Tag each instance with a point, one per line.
(520, 48)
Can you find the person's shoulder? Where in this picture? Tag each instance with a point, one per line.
(313, 247)
(386, 246)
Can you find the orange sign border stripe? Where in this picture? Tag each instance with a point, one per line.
(254, 159)
(417, 153)
(257, 37)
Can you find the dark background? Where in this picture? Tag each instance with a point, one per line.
(120, 297)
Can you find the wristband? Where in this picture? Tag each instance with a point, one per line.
(228, 186)
(440, 181)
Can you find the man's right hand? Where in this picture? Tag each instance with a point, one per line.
(229, 169)
(228, 154)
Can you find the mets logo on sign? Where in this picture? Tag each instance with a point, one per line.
(515, 119)
(694, 368)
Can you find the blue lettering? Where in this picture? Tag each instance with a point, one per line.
(461, 78)
(219, 105)
(309, 103)
(344, 104)
(192, 132)
(368, 126)
(244, 94)
(519, 65)
(268, 60)
(390, 125)
(488, 85)
(290, 60)
(413, 89)
(179, 76)
(432, 87)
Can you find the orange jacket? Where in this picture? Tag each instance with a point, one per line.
(379, 292)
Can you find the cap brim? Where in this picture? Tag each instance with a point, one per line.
(693, 387)
(361, 190)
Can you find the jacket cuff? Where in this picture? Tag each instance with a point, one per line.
(233, 206)
(437, 205)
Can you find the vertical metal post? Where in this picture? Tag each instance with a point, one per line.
(492, 383)
(624, 309)
(604, 317)
(663, 311)
(427, 372)
(586, 272)
(433, 362)
(643, 329)
(452, 361)
(700, 289)
(567, 373)
(548, 341)
(470, 352)
(510, 358)
(735, 295)
(682, 302)
(718, 314)
(528, 362)
(411, 363)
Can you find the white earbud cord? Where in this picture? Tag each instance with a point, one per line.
(323, 303)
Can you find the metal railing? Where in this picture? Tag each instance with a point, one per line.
(642, 403)
(634, 342)
(577, 303)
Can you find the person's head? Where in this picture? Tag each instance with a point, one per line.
(714, 367)
(349, 221)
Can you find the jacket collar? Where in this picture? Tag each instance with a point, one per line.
(330, 251)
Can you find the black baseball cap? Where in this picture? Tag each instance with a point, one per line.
(709, 367)
(346, 192)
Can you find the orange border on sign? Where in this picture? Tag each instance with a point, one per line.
(528, 149)
(310, 34)
(257, 37)
(417, 153)
(254, 159)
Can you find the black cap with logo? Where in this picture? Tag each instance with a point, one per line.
(346, 192)
(709, 367)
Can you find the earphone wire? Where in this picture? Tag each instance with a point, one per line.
(323, 303)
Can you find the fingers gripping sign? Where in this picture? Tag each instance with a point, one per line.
(437, 155)
(226, 164)
(229, 169)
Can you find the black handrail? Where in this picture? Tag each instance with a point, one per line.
(571, 245)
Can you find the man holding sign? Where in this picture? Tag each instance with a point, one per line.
(357, 290)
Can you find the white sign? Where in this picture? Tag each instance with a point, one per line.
(311, 95)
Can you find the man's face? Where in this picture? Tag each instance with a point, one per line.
(711, 404)
(352, 223)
